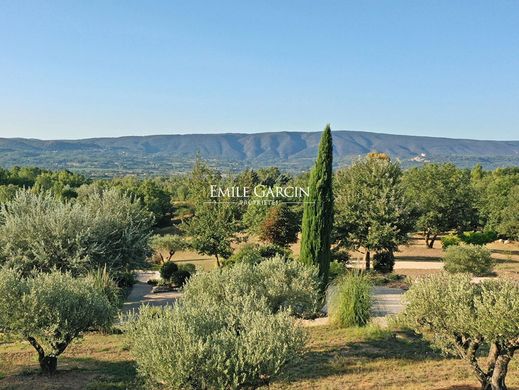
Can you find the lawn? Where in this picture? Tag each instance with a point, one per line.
(336, 359)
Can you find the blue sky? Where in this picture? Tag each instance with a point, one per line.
(76, 69)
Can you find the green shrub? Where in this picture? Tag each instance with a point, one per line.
(337, 269)
(473, 259)
(237, 343)
(478, 238)
(168, 269)
(384, 261)
(450, 240)
(350, 301)
(286, 284)
(50, 310)
(255, 253)
(188, 267)
(180, 277)
(176, 274)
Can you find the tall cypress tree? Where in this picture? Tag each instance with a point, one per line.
(318, 211)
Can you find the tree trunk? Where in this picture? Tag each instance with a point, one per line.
(500, 371)
(431, 241)
(367, 260)
(217, 261)
(48, 364)
(171, 253)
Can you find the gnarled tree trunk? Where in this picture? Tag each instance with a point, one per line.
(48, 364)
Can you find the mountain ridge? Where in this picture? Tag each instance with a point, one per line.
(292, 150)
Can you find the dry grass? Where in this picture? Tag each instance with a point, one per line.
(96, 362)
(375, 359)
(354, 358)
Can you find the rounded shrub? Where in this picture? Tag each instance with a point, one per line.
(237, 343)
(285, 284)
(255, 253)
(472, 259)
(479, 238)
(384, 261)
(450, 240)
(350, 300)
(180, 277)
(168, 269)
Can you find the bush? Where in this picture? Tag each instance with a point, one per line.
(180, 277)
(337, 269)
(176, 274)
(473, 259)
(167, 270)
(188, 267)
(40, 232)
(285, 284)
(254, 254)
(478, 238)
(350, 300)
(237, 343)
(384, 261)
(450, 240)
(51, 310)
(462, 318)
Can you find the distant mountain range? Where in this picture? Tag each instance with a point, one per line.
(296, 151)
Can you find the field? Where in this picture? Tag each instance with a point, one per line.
(354, 358)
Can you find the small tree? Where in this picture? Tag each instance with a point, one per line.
(461, 317)
(212, 231)
(372, 211)
(168, 243)
(280, 226)
(50, 310)
(443, 197)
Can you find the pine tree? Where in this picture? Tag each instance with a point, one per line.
(318, 211)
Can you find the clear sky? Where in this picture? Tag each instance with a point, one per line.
(76, 69)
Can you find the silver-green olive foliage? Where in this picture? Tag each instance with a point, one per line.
(50, 310)
(461, 317)
(41, 232)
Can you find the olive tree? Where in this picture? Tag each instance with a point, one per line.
(50, 310)
(212, 230)
(41, 232)
(168, 243)
(462, 318)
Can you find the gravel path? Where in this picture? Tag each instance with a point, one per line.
(387, 301)
(141, 295)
